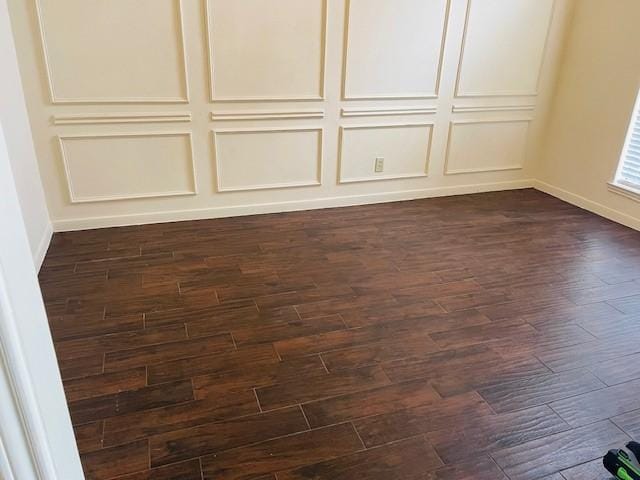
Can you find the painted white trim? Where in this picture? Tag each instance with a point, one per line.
(216, 133)
(55, 99)
(208, 12)
(346, 96)
(107, 198)
(427, 160)
(382, 111)
(6, 471)
(625, 191)
(277, 207)
(590, 205)
(107, 118)
(459, 94)
(22, 384)
(491, 108)
(265, 115)
(475, 121)
(43, 246)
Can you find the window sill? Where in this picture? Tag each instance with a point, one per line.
(625, 191)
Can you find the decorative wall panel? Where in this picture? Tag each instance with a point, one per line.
(503, 47)
(486, 146)
(405, 150)
(255, 159)
(267, 49)
(394, 48)
(113, 51)
(126, 166)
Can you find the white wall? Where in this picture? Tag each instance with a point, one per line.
(171, 109)
(14, 119)
(30, 384)
(16, 460)
(597, 87)
(28, 357)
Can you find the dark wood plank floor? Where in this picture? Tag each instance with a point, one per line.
(487, 336)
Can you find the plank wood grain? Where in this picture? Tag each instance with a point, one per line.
(377, 341)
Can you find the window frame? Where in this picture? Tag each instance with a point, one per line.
(617, 185)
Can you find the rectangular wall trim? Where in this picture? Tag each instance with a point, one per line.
(447, 168)
(386, 111)
(211, 54)
(56, 98)
(424, 169)
(317, 170)
(492, 108)
(429, 93)
(298, 99)
(266, 114)
(509, 92)
(75, 198)
(108, 118)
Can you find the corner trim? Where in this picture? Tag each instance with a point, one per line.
(589, 205)
(41, 250)
(12, 355)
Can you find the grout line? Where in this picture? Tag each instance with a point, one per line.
(305, 416)
(325, 365)
(358, 435)
(257, 399)
(614, 307)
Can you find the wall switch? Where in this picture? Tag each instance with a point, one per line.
(379, 167)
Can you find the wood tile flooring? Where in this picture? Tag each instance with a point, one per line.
(486, 337)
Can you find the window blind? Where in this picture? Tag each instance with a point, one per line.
(629, 170)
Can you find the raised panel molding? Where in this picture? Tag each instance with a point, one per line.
(387, 111)
(488, 146)
(500, 57)
(116, 169)
(266, 114)
(380, 62)
(278, 69)
(406, 148)
(76, 44)
(268, 158)
(129, 117)
(491, 108)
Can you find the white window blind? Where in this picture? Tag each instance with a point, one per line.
(629, 169)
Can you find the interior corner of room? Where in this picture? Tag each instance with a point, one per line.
(127, 114)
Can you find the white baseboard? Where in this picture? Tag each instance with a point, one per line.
(43, 246)
(276, 207)
(585, 203)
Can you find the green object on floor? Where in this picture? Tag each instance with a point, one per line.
(622, 474)
(622, 464)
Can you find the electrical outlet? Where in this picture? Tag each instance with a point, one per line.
(379, 166)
